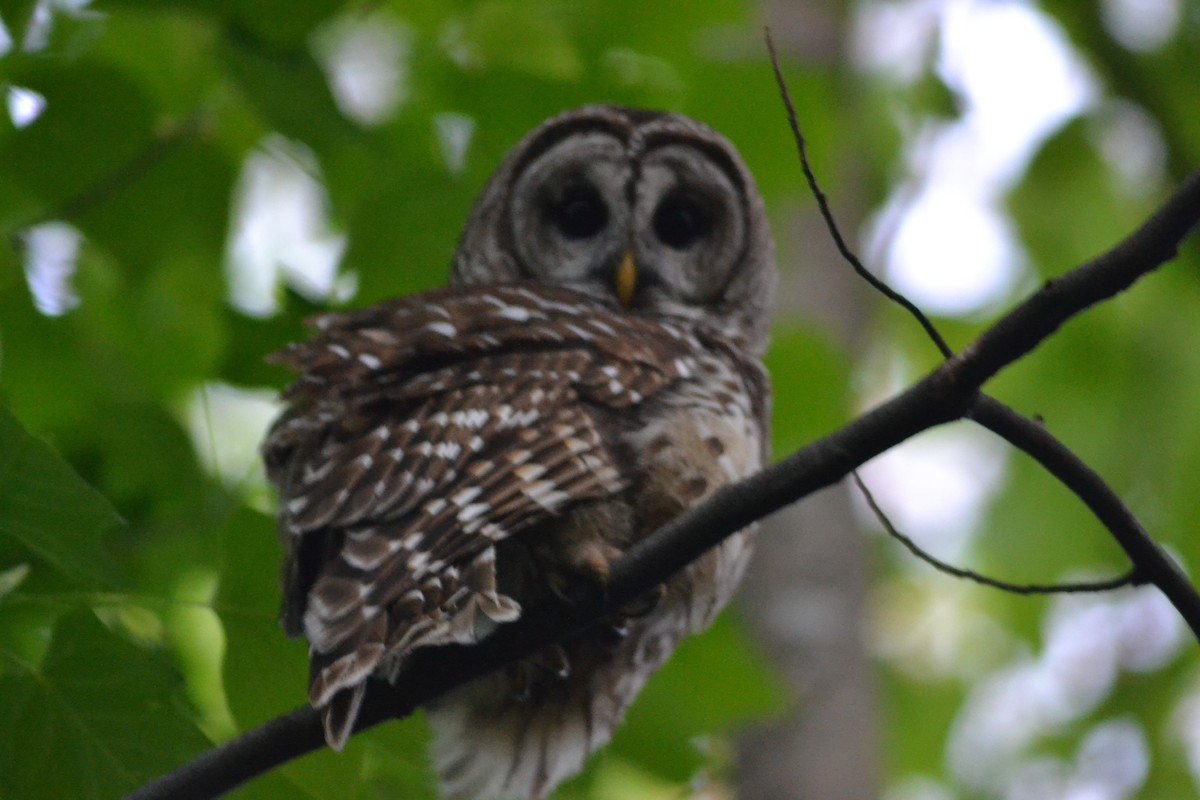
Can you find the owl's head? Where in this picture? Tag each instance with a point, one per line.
(652, 212)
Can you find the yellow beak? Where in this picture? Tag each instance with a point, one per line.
(626, 280)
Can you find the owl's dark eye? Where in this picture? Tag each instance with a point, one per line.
(579, 212)
(680, 220)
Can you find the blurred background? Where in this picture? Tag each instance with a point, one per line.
(183, 181)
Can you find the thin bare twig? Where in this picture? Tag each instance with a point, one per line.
(1078, 587)
(1019, 431)
(831, 225)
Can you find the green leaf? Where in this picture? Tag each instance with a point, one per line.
(10, 269)
(1068, 173)
(12, 578)
(48, 510)
(98, 718)
(667, 723)
(170, 55)
(288, 88)
(400, 259)
(16, 15)
(809, 379)
(152, 288)
(248, 603)
(280, 22)
(520, 36)
(96, 123)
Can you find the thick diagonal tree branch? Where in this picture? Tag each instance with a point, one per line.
(948, 393)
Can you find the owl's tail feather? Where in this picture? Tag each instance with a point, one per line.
(340, 714)
(337, 680)
(330, 676)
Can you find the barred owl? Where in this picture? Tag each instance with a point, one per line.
(447, 459)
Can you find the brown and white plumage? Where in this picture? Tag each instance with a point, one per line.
(448, 458)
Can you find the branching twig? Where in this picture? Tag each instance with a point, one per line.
(163, 144)
(976, 577)
(1019, 431)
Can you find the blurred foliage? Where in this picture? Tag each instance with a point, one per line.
(1119, 386)
(138, 591)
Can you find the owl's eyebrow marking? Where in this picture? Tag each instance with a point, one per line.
(657, 140)
(549, 138)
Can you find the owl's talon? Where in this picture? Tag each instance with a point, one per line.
(553, 659)
(582, 566)
(615, 631)
(525, 675)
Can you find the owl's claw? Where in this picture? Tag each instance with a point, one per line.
(553, 659)
(615, 631)
(616, 628)
(526, 674)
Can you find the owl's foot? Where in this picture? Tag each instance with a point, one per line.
(593, 560)
(590, 561)
(616, 627)
(551, 661)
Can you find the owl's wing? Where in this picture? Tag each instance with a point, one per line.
(420, 433)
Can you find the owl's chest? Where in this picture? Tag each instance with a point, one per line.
(706, 432)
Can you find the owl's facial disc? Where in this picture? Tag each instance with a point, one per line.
(589, 186)
(569, 216)
(587, 201)
(689, 232)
